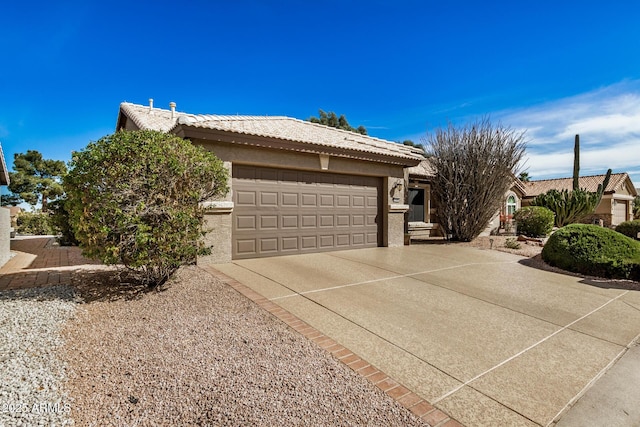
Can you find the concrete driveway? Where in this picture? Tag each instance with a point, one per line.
(476, 333)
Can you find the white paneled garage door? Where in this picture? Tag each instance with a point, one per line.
(620, 212)
(282, 212)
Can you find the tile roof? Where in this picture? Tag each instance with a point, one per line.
(279, 127)
(589, 183)
(423, 169)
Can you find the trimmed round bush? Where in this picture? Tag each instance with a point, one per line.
(629, 228)
(134, 199)
(534, 221)
(589, 249)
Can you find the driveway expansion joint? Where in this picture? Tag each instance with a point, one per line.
(409, 400)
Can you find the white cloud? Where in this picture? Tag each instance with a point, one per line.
(607, 120)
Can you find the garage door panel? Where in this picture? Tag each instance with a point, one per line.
(357, 201)
(245, 247)
(246, 198)
(309, 200)
(309, 221)
(357, 239)
(326, 221)
(343, 240)
(309, 242)
(268, 222)
(342, 220)
(269, 245)
(342, 201)
(327, 241)
(289, 221)
(289, 243)
(326, 200)
(357, 220)
(286, 211)
(268, 199)
(289, 200)
(246, 222)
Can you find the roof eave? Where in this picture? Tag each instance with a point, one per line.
(187, 131)
(4, 172)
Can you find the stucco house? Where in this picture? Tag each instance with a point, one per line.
(5, 216)
(617, 201)
(296, 186)
(422, 214)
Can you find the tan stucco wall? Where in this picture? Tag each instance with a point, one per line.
(220, 224)
(5, 226)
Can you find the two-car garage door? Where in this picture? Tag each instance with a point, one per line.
(281, 211)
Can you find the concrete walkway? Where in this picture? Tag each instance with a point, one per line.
(483, 338)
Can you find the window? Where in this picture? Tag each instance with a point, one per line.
(511, 205)
(416, 204)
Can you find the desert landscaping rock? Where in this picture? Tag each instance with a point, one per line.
(198, 353)
(32, 375)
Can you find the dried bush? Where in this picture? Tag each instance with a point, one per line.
(475, 166)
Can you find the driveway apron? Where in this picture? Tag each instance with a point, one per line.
(476, 333)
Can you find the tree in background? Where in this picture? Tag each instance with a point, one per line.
(636, 207)
(134, 199)
(524, 177)
(332, 120)
(410, 143)
(36, 180)
(475, 165)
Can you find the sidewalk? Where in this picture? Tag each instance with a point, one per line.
(39, 261)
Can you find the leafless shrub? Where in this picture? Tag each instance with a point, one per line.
(475, 166)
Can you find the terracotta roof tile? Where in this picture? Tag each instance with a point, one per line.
(423, 169)
(589, 183)
(280, 127)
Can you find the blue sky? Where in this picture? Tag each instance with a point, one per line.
(400, 68)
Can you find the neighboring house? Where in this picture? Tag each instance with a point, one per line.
(5, 216)
(617, 201)
(296, 186)
(422, 213)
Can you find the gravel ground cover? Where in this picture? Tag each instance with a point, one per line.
(32, 374)
(198, 353)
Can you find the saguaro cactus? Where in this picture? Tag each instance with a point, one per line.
(576, 163)
(572, 206)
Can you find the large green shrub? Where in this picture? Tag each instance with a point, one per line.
(33, 223)
(629, 228)
(133, 199)
(534, 221)
(598, 251)
(61, 223)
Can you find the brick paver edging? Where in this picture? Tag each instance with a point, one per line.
(414, 403)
